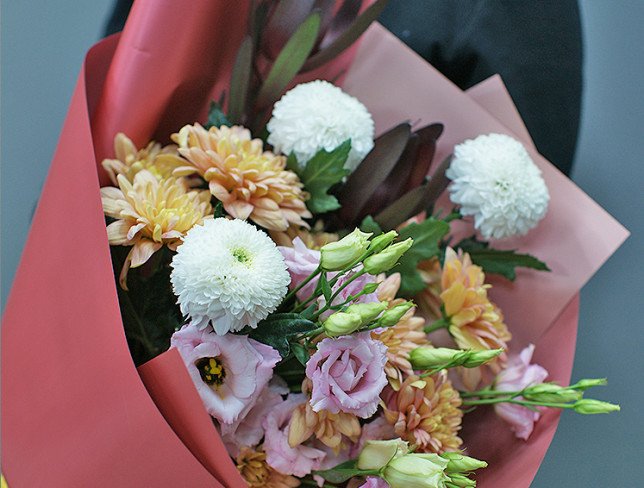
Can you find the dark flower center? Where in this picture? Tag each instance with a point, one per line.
(211, 370)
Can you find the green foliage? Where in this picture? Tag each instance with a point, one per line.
(278, 329)
(343, 472)
(370, 225)
(240, 80)
(322, 171)
(300, 352)
(149, 310)
(427, 237)
(496, 261)
(216, 116)
(289, 61)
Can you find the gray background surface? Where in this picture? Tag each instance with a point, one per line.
(42, 47)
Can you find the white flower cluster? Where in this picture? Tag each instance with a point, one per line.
(319, 115)
(228, 274)
(495, 180)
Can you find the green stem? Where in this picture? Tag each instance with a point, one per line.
(328, 305)
(488, 393)
(441, 323)
(292, 293)
(525, 403)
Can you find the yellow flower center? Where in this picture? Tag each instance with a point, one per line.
(211, 370)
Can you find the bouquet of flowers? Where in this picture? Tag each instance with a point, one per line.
(308, 304)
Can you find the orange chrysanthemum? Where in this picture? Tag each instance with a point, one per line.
(425, 412)
(250, 182)
(401, 338)
(160, 161)
(257, 473)
(474, 321)
(334, 430)
(151, 213)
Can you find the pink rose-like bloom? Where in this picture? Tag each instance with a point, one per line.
(348, 374)
(297, 461)
(247, 368)
(519, 374)
(301, 262)
(248, 431)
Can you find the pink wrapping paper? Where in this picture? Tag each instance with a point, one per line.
(75, 411)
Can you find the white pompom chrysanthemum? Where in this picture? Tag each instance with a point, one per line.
(319, 115)
(495, 180)
(228, 274)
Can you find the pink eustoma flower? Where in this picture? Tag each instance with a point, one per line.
(229, 371)
(296, 461)
(348, 374)
(518, 375)
(247, 431)
(301, 262)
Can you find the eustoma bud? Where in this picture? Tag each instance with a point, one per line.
(380, 242)
(336, 256)
(392, 316)
(591, 407)
(460, 463)
(551, 393)
(387, 259)
(342, 323)
(377, 454)
(416, 471)
(368, 312)
(429, 358)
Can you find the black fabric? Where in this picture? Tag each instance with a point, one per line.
(534, 45)
(119, 14)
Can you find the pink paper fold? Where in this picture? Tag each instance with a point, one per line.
(574, 239)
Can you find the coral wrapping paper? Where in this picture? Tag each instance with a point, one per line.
(75, 413)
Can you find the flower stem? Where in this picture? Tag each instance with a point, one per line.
(489, 393)
(327, 306)
(306, 281)
(525, 403)
(441, 323)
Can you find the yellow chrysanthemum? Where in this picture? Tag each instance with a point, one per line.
(151, 213)
(160, 161)
(250, 182)
(425, 412)
(257, 473)
(401, 338)
(332, 429)
(474, 321)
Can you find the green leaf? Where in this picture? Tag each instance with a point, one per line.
(348, 37)
(219, 210)
(216, 116)
(292, 164)
(343, 472)
(427, 237)
(240, 79)
(300, 352)
(277, 329)
(322, 171)
(325, 287)
(309, 311)
(496, 261)
(370, 225)
(290, 60)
